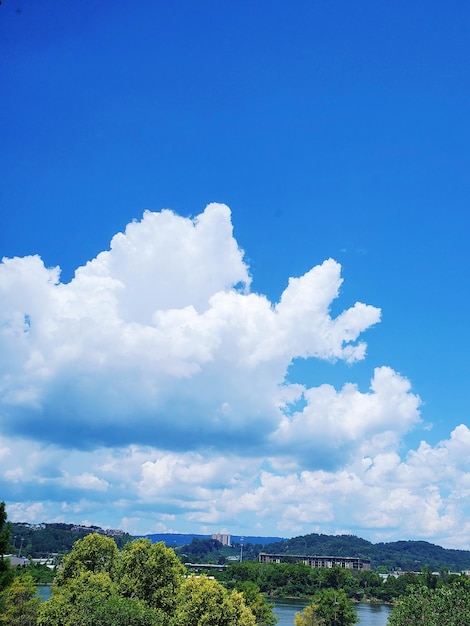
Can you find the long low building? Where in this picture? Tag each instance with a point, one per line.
(17, 561)
(347, 562)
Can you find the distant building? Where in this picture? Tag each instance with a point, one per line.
(225, 540)
(31, 526)
(17, 561)
(347, 562)
(113, 532)
(78, 528)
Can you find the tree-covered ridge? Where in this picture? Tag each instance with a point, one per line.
(396, 555)
(413, 555)
(334, 545)
(45, 539)
(42, 540)
(212, 551)
(176, 540)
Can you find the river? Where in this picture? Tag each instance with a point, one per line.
(369, 614)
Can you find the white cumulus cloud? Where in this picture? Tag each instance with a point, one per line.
(152, 391)
(160, 340)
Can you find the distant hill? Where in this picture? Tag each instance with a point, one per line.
(41, 540)
(396, 555)
(173, 540)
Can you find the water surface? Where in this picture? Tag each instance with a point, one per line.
(369, 614)
(44, 592)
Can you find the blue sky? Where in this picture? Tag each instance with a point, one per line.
(177, 380)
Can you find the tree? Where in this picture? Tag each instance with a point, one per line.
(371, 583)
(5, 529)
(91, 599)
(202, 601)
(117, 611)
(244, 571)
(428, 578)
(6, 573)
(445, 606)
(202, 550)
(94, 553)
(261, 609)
(241, 614)
(75, 601)
(329, 607)
(99, 586)
(337, 577)
(20, 606)
(151, 572)
(308, 617)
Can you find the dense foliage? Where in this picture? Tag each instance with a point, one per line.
(6, 574)
(20, 605)
(202, 601)
(261, 609)
(41, 574)
(339, 545)
(448, 605)
(47, 539)
(145, 584)
(328, 607)
(201, 551)
(301, 581)
(206, 550)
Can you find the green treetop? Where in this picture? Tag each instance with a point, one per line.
(6, 573)
(91, 599)
(151, 572)
(260, 608)
(445, 606)
(202, 601)
(329, 607)
(94, 553)
(20, 605)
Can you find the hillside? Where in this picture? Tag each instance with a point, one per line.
(42, 540)
(398, 555)
(404, 555)
(181, 539)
